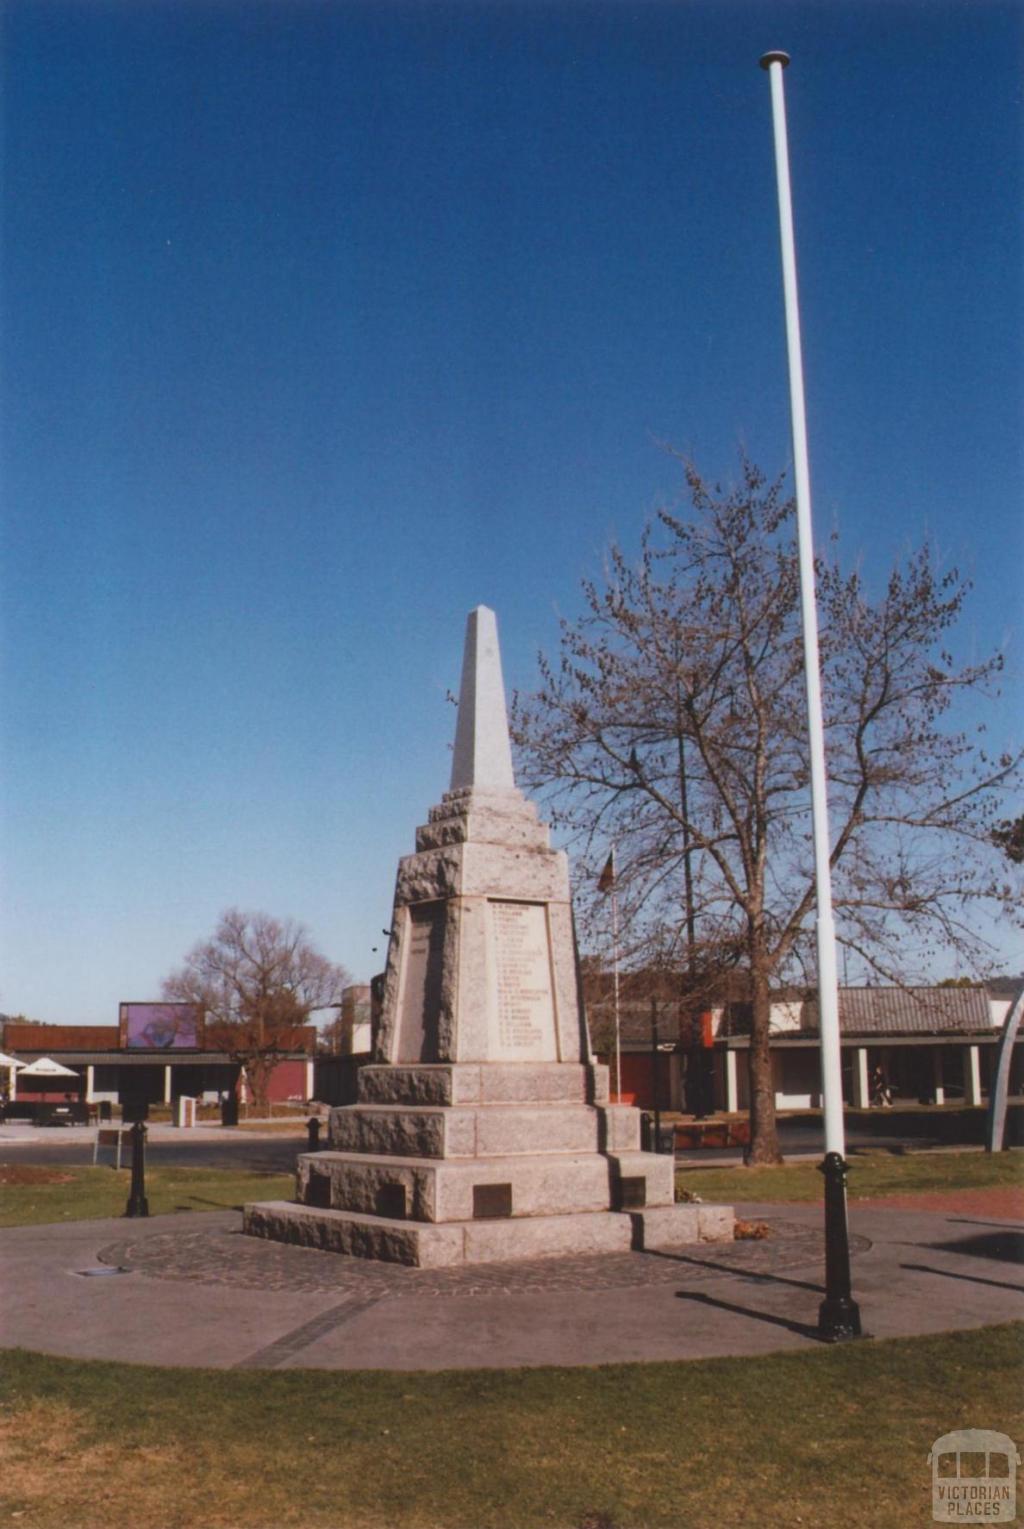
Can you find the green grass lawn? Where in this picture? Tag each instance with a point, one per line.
(837, 1436)
(871, 1173)
(37, 1194)
(31, 1194)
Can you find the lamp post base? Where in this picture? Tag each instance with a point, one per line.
(838, 1314)
(839, 1320)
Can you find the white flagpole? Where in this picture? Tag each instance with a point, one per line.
(615, 978)
(828, 993)
(839, 1317)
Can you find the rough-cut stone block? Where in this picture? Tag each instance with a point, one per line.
(433, 876)
(430, 1083)
(408, 1132)
(441, 1190)
(547, 1237)
(518, 1128)
(620, 1128)
(498, 870)
(601, 1082)
(446, 1083)
(658, 1173)
(541, 1186)
(362, 1183)
(717, 1223)
(399, 1242)
(485, 817)
(489, 1130)
(666, 1226)
(537, 1083)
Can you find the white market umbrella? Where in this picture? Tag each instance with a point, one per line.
(9, 1061)
(46, 1067)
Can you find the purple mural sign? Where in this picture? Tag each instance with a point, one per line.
(161, 1026)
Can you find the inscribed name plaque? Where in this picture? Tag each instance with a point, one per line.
(522, 1009)
(420, 1002)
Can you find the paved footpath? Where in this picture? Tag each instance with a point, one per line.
(189, 1289)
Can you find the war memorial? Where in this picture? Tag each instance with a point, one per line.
(484, 1130)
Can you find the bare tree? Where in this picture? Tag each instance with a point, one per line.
(258, 979)
(674, 724)
(1009, 837)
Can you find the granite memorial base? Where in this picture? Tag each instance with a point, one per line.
(460, 1163)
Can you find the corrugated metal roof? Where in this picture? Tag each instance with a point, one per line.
(862, 1011)
(911, 1011)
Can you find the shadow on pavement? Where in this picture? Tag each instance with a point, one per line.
(973, 1279)
(749, 1276)
(998, 1226)
(805, 1329)
(1006, 1246)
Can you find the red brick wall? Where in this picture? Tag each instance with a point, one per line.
(287, 1081)
(53, 1038)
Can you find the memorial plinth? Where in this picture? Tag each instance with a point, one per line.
(483, 1130)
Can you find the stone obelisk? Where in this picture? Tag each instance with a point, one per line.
(483, 1129)
(481, 965)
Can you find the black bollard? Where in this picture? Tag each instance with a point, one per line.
(313, 1127)
(138, 1205)
(838, 1314)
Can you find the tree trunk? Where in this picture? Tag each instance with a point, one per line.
(764, 1141)
(257, 1071)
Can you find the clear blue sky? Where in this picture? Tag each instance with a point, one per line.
(324, 323)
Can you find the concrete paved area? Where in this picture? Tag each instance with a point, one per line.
(198, 1293)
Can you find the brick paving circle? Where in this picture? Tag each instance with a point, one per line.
(226, 1257)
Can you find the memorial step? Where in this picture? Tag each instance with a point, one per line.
(425, 1245)
(446, 1083)
(485, 1130)
(429, 1246)
(407, 1188)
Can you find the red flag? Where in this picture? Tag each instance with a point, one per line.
(607, 877)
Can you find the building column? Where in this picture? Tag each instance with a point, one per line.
(167, 1084)
(972, 1075)
(310, 1077)
(732, 1093)
(90, 1076)
(861, 1081)
(937, 1073)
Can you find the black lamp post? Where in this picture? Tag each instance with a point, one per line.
(138, 1205)
(838, 1314)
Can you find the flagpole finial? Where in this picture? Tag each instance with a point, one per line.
(776, 56)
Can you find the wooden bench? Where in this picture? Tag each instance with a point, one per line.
(714, 1133)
